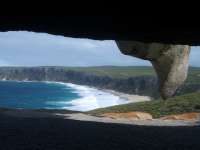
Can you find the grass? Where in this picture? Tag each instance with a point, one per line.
(193, 75)
(158, 108)
(115, 71)
(111, 71)
(121, 71)
(132, 71)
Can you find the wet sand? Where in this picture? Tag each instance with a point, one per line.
(129, 97)
(43, 130)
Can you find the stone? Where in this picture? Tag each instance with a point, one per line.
(129, 115)
(186, 117)
(169, 61)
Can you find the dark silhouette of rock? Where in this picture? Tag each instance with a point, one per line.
(135, 27)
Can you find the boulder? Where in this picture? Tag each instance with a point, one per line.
(129, 115)
(186, 117)
(169, 61)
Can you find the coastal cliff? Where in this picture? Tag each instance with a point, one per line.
(140, 84)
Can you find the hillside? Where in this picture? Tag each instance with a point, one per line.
(131, 80)
(159, 108)
(139, 80)
(117, 71)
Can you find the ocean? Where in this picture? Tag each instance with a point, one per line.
(54, 95)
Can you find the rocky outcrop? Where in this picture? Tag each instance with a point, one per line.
(169, 61)
(186, 117)
(129, 115)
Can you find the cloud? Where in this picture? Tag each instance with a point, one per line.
(23, 48)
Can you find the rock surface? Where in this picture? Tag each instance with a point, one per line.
(169, 61)
(129, 115)
(186, 117)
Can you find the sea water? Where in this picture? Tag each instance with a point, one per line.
(54, 95)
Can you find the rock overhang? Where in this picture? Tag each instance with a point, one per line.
(163, 43)
(134, 28)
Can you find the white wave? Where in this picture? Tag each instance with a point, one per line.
(91, 98)
(4, 79)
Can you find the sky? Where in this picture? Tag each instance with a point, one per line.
(22, 48)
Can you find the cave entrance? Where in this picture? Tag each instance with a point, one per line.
(30, 56)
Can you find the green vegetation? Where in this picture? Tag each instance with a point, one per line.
(116, 71)
(193, 75)
(132, 71)
(111, 71)
(158, 108)
(120, 71)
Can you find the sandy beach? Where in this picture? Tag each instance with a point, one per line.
(130, 97)
(93, 98)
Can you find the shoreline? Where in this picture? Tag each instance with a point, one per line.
(130, 97)
(127, 98)
(124, 96)
(82, 116)
(93, 97)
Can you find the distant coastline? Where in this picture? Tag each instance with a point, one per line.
(140, 81)
(130, 80)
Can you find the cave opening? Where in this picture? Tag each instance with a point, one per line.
(30, 56)
(55, 129)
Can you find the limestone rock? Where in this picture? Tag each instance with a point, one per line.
(129, 115)
(169, 61)
(186, 117)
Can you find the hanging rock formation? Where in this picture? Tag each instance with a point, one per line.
(169, 61)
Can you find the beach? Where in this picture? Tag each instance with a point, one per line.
(130, 97)
(61, 95)
(93, 98)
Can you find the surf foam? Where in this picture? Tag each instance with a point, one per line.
(91, 98)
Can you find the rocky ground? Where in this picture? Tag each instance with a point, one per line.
(151, 122)
(42, 129)
(131, 118)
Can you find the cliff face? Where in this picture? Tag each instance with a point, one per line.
(141, 85)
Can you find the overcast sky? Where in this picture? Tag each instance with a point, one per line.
(41, 49)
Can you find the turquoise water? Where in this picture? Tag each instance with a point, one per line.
(35, 95)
